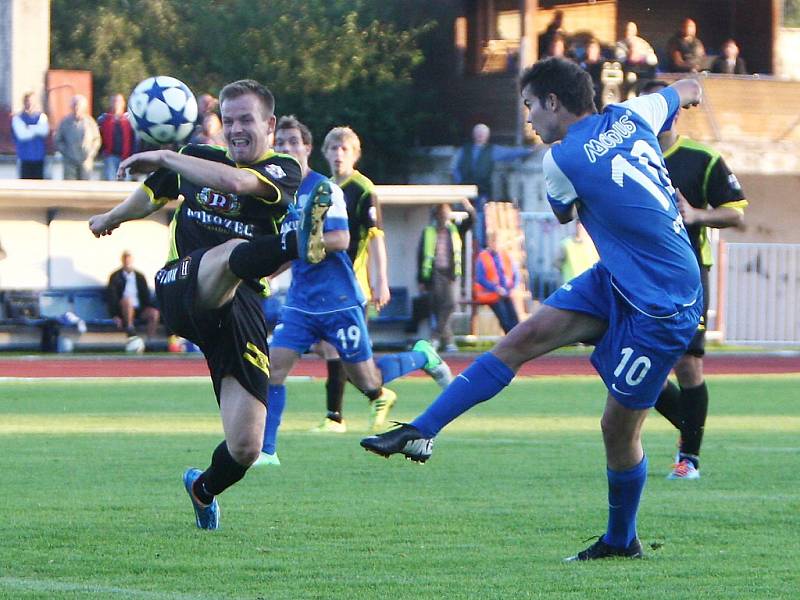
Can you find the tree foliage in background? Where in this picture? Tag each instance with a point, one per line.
(330, 62)
(791, 13)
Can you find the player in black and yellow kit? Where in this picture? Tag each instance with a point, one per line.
(712, 197)
(224, 240)
(367, 251)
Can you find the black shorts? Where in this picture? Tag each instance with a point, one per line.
(697, 347)
(233, 338)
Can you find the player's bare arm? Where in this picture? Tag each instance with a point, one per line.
(136, 206)
(218, 176)
(379, 277)
(689, 91)
(720, 217)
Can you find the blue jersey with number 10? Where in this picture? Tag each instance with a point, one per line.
(612, 166)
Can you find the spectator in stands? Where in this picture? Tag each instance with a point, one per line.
(496, 276)
(129, 298)
(729, 62)
(206, 104)
(78, 140)
(685, 51)
(210, 133)
(636, 54)
(558, 47)
(554, 30)
(117, 136)
(439, 268)
(576, 253)
(474, 164)
(30, 130)
(593, 64)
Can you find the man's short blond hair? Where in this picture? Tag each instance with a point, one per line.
(342, 134)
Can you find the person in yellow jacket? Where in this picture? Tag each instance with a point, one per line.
(576, 254)
(439, 260)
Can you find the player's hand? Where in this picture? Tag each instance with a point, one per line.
(101, 225)
(689, 213)
(381, 295)
(142, 162)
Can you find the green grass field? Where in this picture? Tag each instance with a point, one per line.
(93, 507)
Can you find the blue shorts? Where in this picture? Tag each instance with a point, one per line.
(345, 329)
(636, 353)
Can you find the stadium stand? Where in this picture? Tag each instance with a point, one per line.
(36, 319)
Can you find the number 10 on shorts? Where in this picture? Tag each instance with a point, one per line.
(636, 371)
(352, 335)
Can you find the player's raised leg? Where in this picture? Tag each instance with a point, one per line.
(547, 329)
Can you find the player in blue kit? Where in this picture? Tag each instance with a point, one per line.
(639, 305)
(325, 302)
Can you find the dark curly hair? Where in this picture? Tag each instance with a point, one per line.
(565, 79)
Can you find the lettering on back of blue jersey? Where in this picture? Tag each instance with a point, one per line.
(620, 130)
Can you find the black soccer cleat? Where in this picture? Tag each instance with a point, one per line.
(602, 550)
(404, 439)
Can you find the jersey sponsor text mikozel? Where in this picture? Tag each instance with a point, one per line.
(208, 217)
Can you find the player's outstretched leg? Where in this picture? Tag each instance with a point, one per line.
(311, 246)
(485, 378)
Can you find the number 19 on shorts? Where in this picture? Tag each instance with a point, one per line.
(351, 336)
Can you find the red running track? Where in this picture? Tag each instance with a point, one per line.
(184, 366)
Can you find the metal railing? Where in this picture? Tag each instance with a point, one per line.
(754, 288)
(761, 293)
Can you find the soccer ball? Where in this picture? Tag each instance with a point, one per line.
(134, 345)
(162, 110)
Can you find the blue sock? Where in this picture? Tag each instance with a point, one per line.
(393, 366)
(276, 402)
(482, 380)
(624, 492)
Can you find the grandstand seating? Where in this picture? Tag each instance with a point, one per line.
(28, 317)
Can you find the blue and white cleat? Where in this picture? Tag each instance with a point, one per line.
(311, 246)
(206, 516)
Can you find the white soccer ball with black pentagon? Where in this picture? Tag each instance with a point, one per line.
(162, 110)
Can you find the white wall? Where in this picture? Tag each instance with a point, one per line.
(787, 59)
(76, 258)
